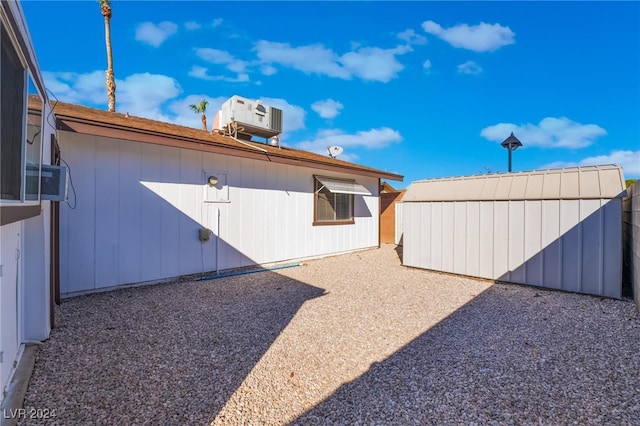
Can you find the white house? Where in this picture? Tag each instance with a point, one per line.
(559, 228)
(26, 141)
(154, 201)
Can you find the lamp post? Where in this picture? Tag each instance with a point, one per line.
(511, 143)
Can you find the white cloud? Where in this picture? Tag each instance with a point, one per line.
(222, 57)
(551, 132)
(479, 38)
(628, 160)
(367, 63)
(200, 72)
(144, 94)
(311, 59)
(138, 94)
(292, 115)
(77, 88)
(241, 78)
(371, 139)
(192, 25)
(217, 22)
(374, 63)
(411, 37)
(153, 96)
(268, 69)
(155, 35)
(469, 67)
(203, 74)
(427, 65)
(327, 108)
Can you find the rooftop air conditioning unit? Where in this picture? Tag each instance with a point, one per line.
(54, 182)
(243, 116)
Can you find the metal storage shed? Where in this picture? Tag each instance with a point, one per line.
(559, 228)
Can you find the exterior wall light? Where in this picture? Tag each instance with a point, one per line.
(212, 181)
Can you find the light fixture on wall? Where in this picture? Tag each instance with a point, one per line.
(212, 181)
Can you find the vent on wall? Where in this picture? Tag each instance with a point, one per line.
(54, 181)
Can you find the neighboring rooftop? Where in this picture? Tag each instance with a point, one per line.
(588, 182)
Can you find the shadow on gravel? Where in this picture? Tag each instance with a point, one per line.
(508, 357)
(398, 250)
(162, 354)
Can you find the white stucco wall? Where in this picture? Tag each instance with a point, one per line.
(139, 208)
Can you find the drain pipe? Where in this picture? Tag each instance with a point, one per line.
(217, 241)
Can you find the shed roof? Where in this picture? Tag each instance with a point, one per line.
(81, 119)
(589, 182)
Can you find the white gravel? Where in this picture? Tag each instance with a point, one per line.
(352, 339)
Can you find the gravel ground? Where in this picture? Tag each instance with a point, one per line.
(352, 339)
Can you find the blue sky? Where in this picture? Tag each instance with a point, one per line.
(423, 89)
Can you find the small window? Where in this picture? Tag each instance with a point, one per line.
(332, 207)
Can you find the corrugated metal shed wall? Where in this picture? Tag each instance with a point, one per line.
(570, 244)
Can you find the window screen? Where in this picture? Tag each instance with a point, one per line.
(332, 207)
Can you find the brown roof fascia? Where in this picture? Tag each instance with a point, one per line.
(149, 137)
(85, 120)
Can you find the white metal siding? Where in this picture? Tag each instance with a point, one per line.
(140, 206)
(500, 249)
(573, 245)
(10, 245)
(552, 254)
(486, 238)
(611, 247)
(436, 232)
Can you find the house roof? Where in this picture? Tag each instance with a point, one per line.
(81, 119)
(385, 188)
(590, 182)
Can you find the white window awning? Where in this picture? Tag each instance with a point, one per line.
(339, 186)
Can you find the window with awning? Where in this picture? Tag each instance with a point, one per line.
(342, 186)
(334, 200)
